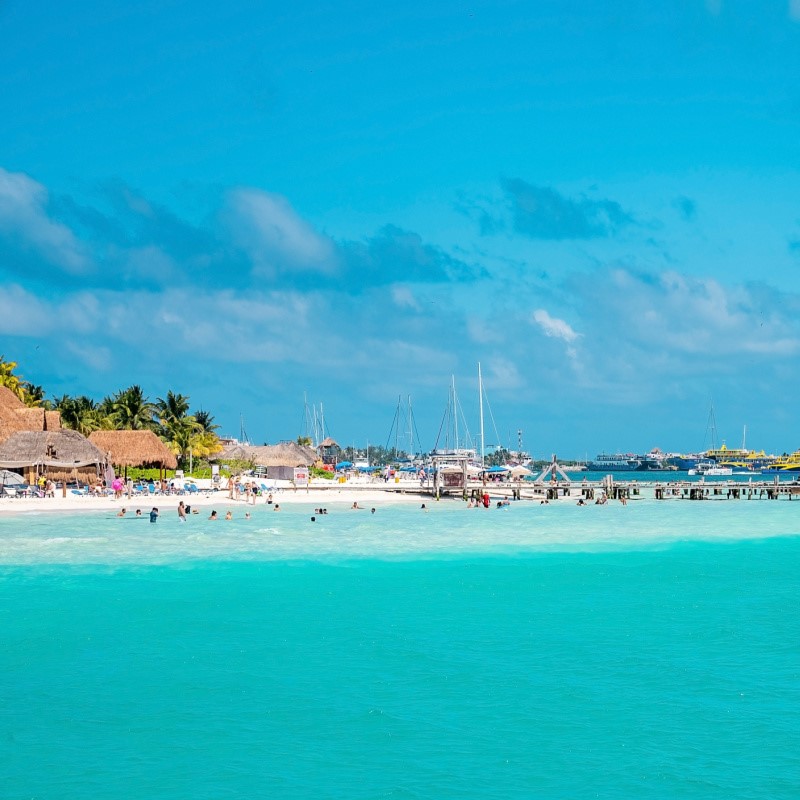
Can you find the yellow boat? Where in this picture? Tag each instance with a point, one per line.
(790, 463)
(740, 459)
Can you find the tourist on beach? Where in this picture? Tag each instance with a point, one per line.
(269, 499)
(138, 512)
(121, 512)
(229, 516)
(153, 515)
(355, 507)
(372, 511)
(213, 515)
(181, 511)
(486, 500)
(277, 507)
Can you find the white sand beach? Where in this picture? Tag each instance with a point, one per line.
(338, 495)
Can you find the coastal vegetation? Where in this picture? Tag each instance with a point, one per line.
(190, 436)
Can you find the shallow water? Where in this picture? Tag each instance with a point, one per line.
(553, 651)
(447, 529)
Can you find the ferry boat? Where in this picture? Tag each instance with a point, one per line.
(740, 459)
(618, 462)
(790, 463)
(654, 461)
(684, 461)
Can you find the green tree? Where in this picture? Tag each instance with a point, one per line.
(132, 410)
(15, 383)
(171, 412)
(80, 414)
(205, 421)
(34, 397)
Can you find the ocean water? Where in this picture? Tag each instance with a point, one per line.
(645, 651)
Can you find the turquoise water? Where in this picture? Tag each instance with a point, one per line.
(536, 652)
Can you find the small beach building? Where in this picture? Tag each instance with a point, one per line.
(59, 454)
(329, 451)
(125, 449)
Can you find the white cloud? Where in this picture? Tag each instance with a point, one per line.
(22, 314)
(24, 219)
(553, 327)
(274, 236)
(403, 297)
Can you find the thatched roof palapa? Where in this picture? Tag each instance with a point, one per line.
(134, 449)
(287, 454)
(61, 449)
(16, 416)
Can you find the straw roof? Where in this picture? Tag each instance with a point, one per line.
(329, 442)
(16, 416)
(8, 400)
(286, 454)
(62, 448)
(134, 449)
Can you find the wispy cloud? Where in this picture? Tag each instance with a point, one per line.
(397, 255)
(543, 213)
(26, 224)
(553, 327)
(274, 236)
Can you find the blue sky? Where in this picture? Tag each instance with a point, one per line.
(250, 201)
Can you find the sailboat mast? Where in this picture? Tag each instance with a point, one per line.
(480, 405)
(410, 431)
(455, 413)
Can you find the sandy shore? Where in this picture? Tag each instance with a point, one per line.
(325, 497)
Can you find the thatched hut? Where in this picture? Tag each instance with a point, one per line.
(16, 416)
(61, 455)
(134, 449)
(279, 460)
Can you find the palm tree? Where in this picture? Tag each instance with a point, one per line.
(206, 421)
(132, 410)
(80, 414)
(10, 380)
(34, 397)
(172, 409)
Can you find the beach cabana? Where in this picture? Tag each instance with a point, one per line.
(329, 450)
(134, 449)
(61, 454)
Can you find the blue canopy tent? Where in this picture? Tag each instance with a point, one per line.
(344, 465)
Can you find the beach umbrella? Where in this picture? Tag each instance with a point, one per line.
(344, 465)
(520, 472)
(9, 478)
